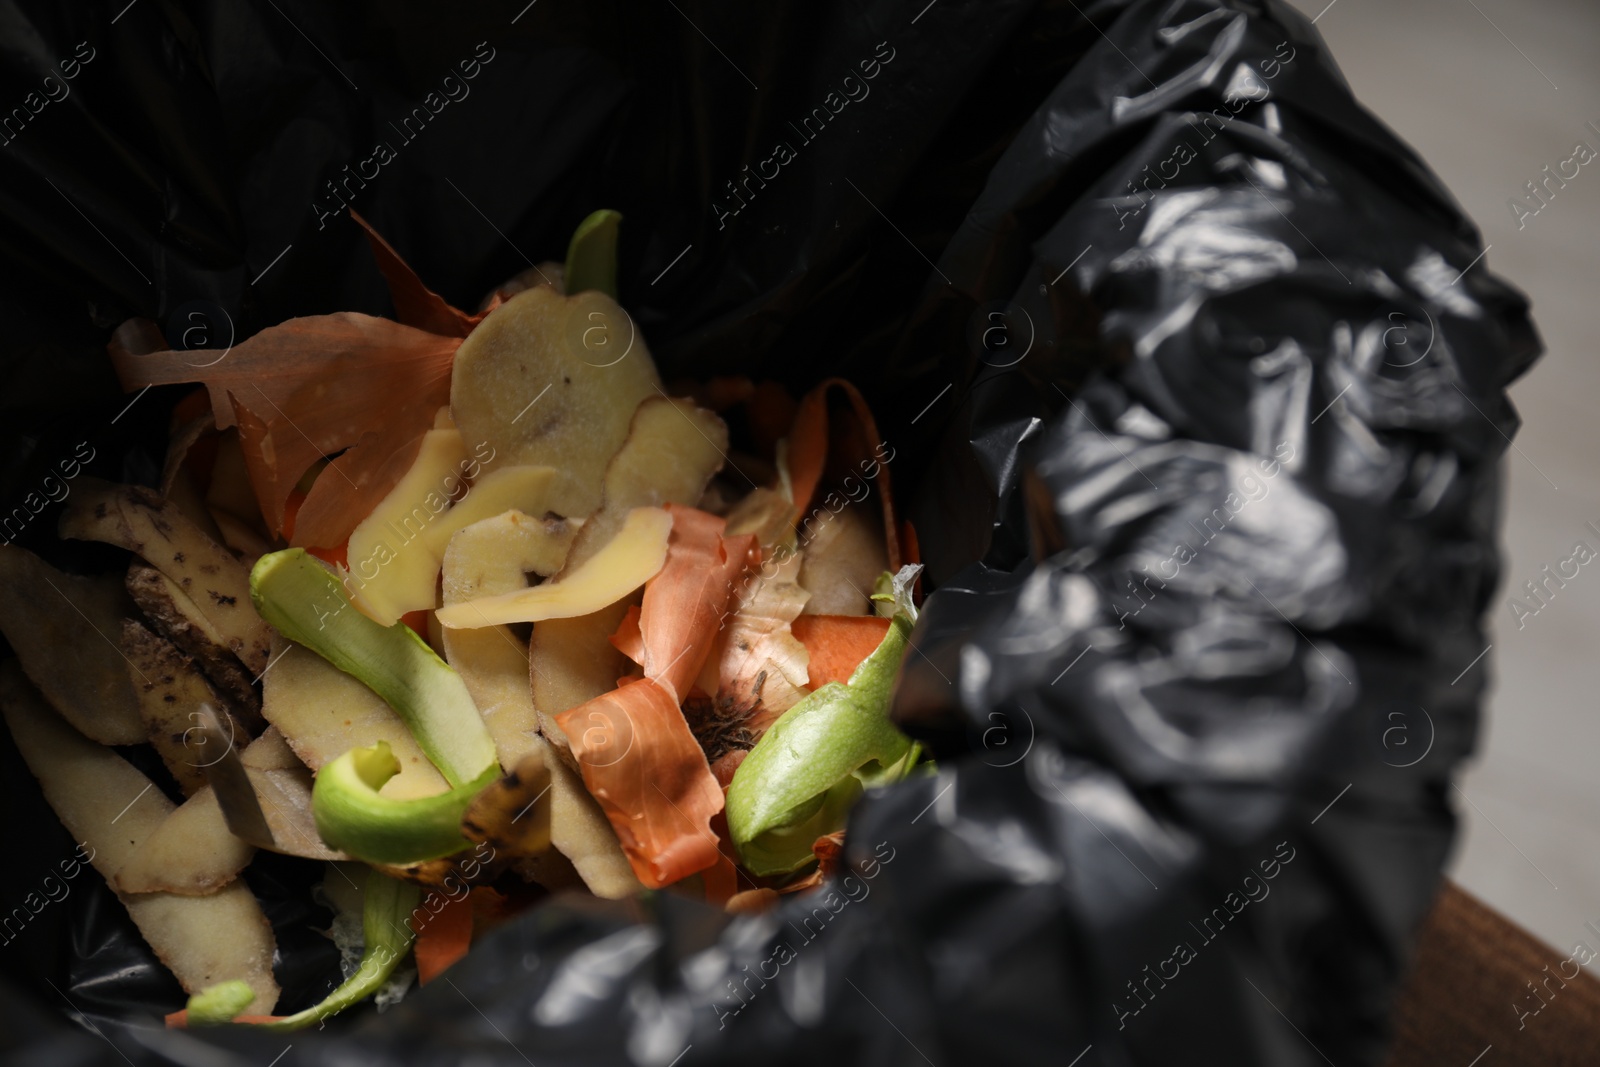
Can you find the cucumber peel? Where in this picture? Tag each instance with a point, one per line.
(308, 604)
(592, 254)
(386, 908)
(353, 818)
(218, 1004)
(807, 770)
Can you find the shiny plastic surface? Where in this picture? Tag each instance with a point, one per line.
(1187, 349)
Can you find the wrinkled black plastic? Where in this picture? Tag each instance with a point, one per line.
(1080, 341)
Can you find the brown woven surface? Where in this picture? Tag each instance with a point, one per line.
(1470, 983)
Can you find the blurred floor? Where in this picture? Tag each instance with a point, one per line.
(1489, 92)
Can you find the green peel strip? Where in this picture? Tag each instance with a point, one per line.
(308, 604)
(353, 818)
(218, 1004)
(386, 910)
(592, 255)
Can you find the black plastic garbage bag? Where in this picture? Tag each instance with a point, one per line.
(1195, 381)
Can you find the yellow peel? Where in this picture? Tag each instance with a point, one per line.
(530, 490)
(396, 552)
(491, 558)
(392, 566)
(628, 560)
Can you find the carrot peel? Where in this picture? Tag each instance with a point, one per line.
(640, 760)
(443, 935)
(838, 643)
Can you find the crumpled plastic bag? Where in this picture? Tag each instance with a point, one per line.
(1198, 384)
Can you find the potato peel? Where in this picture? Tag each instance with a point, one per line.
(323, 713)
(843, 555)
(284, 794)
(171, 692)
(672, 451)
(178, 619)
(65, 630)
(135, 518)
(571, 661)
(106, 803)
(192, 852)
(490, 558)
(538, 381)
(393, 569)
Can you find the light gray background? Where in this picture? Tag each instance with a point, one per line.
(1489, 91)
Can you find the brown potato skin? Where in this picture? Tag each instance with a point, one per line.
(214, 580)
(175, 617)
(170, 690)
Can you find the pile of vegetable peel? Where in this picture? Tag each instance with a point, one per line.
(703, 695)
